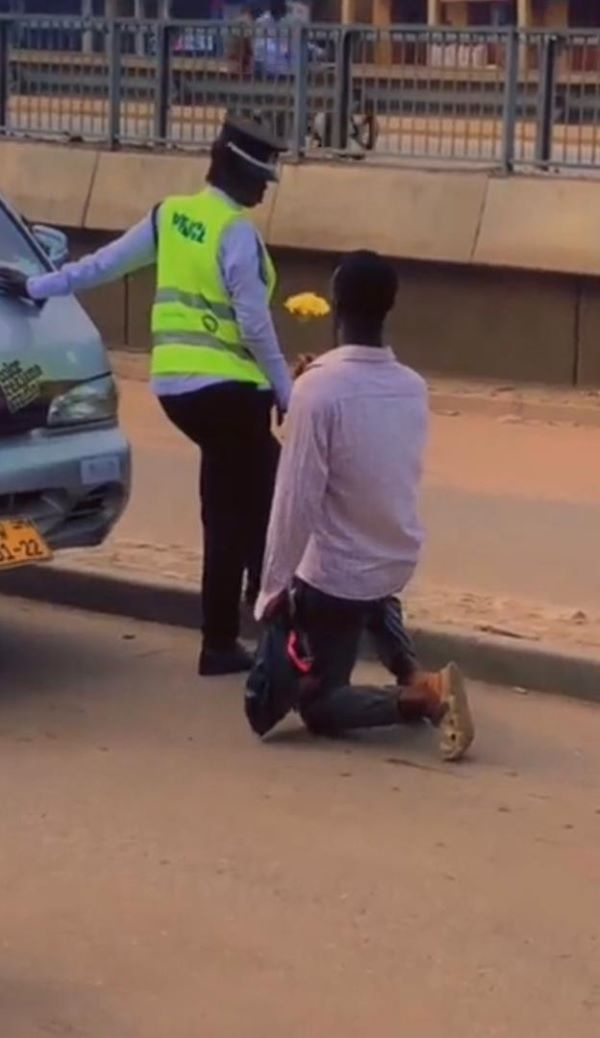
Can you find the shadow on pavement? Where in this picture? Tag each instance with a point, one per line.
(32, 1007)
(38, 661)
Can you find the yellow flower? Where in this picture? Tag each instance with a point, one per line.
(307, 305)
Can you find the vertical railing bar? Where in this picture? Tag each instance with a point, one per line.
(300, 73)
(114, 83)
(163, 80)
(509, 114)
(543, 149)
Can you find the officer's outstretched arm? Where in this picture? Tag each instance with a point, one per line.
(132, 251)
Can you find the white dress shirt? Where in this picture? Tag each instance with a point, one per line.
(345, 512)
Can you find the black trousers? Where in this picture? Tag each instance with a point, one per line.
(231, 424)
(333, 629)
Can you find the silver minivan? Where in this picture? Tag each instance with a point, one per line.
(64, 463)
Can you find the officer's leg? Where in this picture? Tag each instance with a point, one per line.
(221, 490)
(215, 419)
(261, 494)
(238, 474)
(261, 458)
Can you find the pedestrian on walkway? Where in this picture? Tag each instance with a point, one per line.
(217, 367)
(240, 50)
(344, 530)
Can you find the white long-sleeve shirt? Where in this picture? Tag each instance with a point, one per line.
(345, 513)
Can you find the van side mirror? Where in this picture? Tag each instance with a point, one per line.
(54, 243)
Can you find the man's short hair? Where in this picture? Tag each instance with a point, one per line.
(365, 286)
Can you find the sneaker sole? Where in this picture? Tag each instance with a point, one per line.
(456, 728)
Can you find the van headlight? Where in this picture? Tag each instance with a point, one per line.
(95, 401)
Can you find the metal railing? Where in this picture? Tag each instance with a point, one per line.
(503, 98)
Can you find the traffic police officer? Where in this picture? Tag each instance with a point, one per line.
(217, 367)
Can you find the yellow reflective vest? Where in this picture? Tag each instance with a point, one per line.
(194, 327)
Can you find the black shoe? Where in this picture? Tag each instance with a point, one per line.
(219, 662)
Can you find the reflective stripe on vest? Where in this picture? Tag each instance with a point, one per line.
(175, 359)
(197, 302)
(194, 327)
(198, 339)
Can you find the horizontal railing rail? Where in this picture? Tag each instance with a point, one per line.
(506, 98)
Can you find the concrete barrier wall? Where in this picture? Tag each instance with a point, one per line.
(541, 224)
(48, 183)
(498, 274)
(402, 213)
(466, 321)
(466, 217)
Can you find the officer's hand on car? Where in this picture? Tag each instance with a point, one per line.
(13, 283)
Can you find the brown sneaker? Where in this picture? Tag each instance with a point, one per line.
(447, 709)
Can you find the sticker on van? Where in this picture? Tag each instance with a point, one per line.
(20, 385)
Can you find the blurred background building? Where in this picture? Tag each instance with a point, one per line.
(454, 13)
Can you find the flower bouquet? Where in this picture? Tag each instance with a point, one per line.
(304, 307)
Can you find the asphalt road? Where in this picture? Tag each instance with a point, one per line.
(164, 874)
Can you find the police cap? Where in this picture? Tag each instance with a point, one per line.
(257, 151)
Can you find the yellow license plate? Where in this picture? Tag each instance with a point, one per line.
(21, 543)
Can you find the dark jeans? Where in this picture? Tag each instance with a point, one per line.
(231, 423)
(333, 628)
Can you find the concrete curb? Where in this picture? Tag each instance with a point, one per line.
(498, 660)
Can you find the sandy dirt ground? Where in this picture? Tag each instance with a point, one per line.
(164, 874)
(511, 507)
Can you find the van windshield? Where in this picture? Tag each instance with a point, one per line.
(15, 249)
